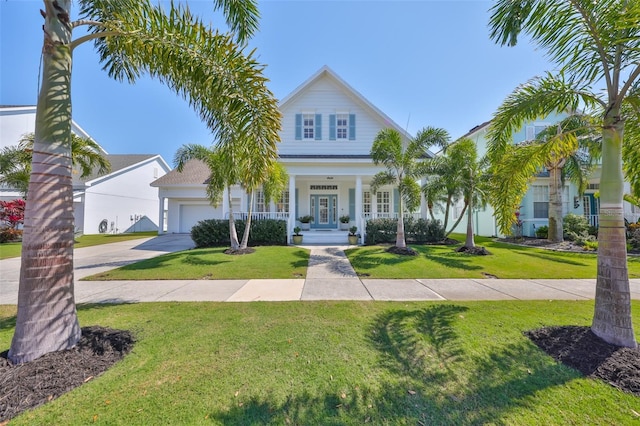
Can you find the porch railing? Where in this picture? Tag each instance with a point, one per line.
(260, 215)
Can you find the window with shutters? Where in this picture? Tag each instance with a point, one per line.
(308, 126)
(342, 126)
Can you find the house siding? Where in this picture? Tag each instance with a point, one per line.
(325, 98)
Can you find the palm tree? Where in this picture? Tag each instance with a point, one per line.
(567, 150)
(593, 42)
(229, 166)
(443, 186)
(209, 69)
(273, 179)
(15, 161)
(472, 179)
(401, 160)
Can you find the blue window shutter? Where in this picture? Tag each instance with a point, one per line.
(298, 127)
(318, 127)
(396, 198)
(352, 127)
(332, 127)
(352, 203)
(297, 207)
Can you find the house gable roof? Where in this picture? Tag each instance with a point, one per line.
(14, 110)
(327, 72)
(195, 172)
(120, 163)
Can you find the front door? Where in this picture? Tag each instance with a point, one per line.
(323, 209)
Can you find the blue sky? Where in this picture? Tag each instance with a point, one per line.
(423, 63)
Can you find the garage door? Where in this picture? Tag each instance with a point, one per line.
(190, 214)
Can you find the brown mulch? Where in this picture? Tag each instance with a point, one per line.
(579, 348)
(237, 252)
(477, 250)
(29, 385)
(403, 251)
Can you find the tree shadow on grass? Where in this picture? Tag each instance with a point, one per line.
(455, 261)
(556, 259)
(367, 260)
(431, 380)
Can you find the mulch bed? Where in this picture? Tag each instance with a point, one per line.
(29, 385)
(579, 348)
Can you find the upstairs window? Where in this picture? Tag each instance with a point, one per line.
(342, 127)
(307, 126)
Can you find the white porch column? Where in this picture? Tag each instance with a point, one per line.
(292, 206)
(161, 214)
(359, 220)
(225, 203)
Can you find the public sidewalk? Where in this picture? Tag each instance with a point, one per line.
(329, 277)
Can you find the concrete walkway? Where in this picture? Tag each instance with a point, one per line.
(329, 277)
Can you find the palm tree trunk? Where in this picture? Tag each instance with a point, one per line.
(47, 319)
(245, 235)
(464, 209)
(401, 242)
(469, 241)
(233, 233)
(555, 204)
(612, 312)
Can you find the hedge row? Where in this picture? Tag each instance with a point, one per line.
(417, 231)
(215, 232)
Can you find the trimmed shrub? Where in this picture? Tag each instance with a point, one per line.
(8, 235)
(542, 231)
(215, 232)
(417, 231)
(576, 228)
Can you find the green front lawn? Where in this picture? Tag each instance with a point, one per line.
(213, 264)
(335, 363)
(506, 261)
(8, 250)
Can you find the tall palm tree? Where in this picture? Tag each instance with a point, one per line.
(223, 84)
(592, 42)
(401, 160)
(15, 161)
(568, 150)
(443, 187)
(473, 181)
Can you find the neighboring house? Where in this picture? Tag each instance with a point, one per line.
(121, 201)
(327, 132)
(534, 210)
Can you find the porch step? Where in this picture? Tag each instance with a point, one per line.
(325, 237)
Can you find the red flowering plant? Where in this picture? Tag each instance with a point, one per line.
(11, 217)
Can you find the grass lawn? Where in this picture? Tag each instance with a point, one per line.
(506, 261)
(8, 250)
(212, 263)
(336, 363)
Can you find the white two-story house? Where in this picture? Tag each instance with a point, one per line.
(327, 132)
(120, 201)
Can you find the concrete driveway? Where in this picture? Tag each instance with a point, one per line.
(92, 260)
